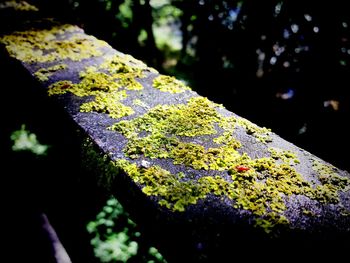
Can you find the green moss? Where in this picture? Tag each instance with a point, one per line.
(169, 84)
(43, 74)
(48, 45)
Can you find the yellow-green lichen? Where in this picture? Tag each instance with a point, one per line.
(138, 102)
(18, 6)
(196, 156)
(108, 83)
(331, 182)
(163, 122)
(261, 134)
(43, 74)
(93, 83)
(308, 213)
(171, 191)
(286, 156)
(122, 63)
(108, 103)
(271, 221)
(130, 83)
(48, 45)
(192, 119)
(260, 186)
(169, 84)
(115, 73)
(61, 87)
(262, 189)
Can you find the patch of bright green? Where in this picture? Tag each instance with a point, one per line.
(125, 14)
(155, 253)
(24, 140)
(159, 3)
(142, 37)
(115, 237)
(48, 45)
(169, 84)
(43, 74)
(117, 247)
(165, 27)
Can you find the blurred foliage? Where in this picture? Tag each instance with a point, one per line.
(116, 238)
(24, 140)
(282, 64)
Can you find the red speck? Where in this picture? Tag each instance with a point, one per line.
(242, 168)
(65, 86)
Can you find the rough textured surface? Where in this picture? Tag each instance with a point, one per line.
(199, 171)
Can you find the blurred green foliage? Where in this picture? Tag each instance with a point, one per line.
(24, 140)
(116, 238)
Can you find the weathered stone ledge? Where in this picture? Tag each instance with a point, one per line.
(184, 166)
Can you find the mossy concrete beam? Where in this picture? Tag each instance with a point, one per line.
(199, 178)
